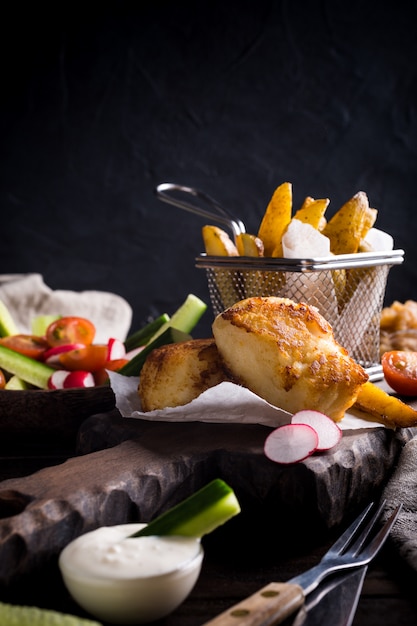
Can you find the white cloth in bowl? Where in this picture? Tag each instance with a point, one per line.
(27, 296)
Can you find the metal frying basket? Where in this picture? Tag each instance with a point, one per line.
(348, 290)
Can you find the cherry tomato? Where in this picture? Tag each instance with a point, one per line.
(89, 358)
(116, 364)
(70, 330)
(400, 371)
(29, 345)
(2, 380)
(101, 376)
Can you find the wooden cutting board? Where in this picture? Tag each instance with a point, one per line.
(130, 470)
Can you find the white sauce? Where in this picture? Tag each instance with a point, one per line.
(108, 553)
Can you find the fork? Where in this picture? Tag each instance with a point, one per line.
(356, 547)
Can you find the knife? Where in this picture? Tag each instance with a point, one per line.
(334, 602)
(275, 602)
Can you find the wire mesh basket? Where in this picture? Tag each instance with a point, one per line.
(348, 290)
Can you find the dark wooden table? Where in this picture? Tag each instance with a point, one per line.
(388, 597)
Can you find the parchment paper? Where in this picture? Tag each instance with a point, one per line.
(224, 403)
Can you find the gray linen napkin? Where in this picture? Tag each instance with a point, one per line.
(26, 296)
(402, 488)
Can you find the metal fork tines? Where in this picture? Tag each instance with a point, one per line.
(355, 547)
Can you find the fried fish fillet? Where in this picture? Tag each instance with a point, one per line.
(286, 353)
(175, 374)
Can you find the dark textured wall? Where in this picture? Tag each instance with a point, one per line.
(102, 101)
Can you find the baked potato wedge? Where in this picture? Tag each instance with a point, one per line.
(345, 229)
(379, 406)
(217, 242)
(275, 220)
(369, 221)
(312, 212)
(249, 245)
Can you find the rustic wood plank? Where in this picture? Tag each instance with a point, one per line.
(146, 467)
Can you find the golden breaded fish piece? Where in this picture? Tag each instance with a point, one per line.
(286, 353)
(176, 373)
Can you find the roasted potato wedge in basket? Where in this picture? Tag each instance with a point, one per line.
(249, 245)
(346, 230)
(276, 219)
(349, 225)
(217, 242)
(312, 212)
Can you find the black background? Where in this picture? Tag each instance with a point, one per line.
(102, 101)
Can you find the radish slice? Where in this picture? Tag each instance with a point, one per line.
(329, 433)
(51, 356)
(291, 443)
(116, 349)
(79, 378)
(57, 379)
(62, 379)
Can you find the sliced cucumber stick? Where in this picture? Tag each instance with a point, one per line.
(29, 370)
(7, 323)
(197, 515)
(16, 383)
(186, 316)
(142, 336)
(41, 323)
(171, 335)
(15, 615)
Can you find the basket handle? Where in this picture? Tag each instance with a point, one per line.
(217, 213)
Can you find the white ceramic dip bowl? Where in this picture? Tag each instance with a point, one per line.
(130, 580)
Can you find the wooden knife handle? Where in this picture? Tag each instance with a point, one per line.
(270, 605)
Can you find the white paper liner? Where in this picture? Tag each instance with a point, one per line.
(225, 403)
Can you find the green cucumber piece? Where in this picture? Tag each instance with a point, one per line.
(142, 336)
(186, 316)
(16, 383)
(7, 323)
(197, 515)
(41, 323)
(34, 372)
(134, 367)
(15, 615)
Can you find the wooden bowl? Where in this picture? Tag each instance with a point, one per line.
(55, 414)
